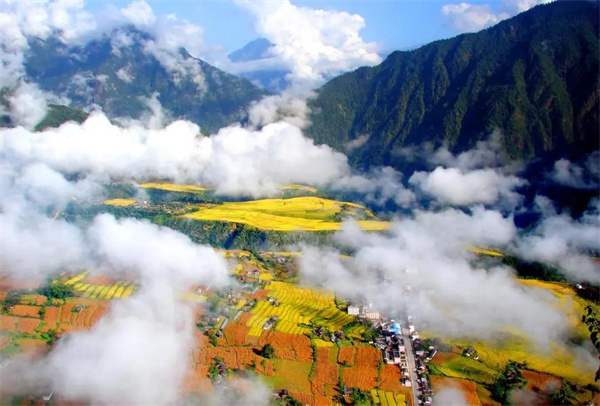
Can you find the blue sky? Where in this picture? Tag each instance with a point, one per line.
(394, 24)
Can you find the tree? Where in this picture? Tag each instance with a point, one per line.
(360, 397)
(267, 351)
(56, 290)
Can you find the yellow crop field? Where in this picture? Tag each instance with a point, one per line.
(299, 187)
(300, 213)
(297, 306)
(76, 278)
(484, 251)
(171, 187)
(120, 202)
(384, 398)
(322, 343)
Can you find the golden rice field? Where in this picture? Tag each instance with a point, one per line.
(384, 398)
(484, 251)
(299, 213)
(118, 290)
(558, 359)
(305, 188)
(171, 187)
(120, 202)
(297, 306)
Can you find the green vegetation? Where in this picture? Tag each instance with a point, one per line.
(535, 77)
(592, 321)
(465, 368)
(56, 290)
(360, 397)
(221, 99)
(510, 379)
(267, 351)
(58, 115)
(12, 298)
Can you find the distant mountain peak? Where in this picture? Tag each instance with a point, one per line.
(122, 69)
(252, 51)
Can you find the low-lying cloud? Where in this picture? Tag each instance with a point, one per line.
(448, 293)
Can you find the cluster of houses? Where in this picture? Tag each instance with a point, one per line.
(365, 311)
(422, 357)
(393, 345)
(269, 324)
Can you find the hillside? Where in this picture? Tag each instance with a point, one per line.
(534, 77)
(118, 81)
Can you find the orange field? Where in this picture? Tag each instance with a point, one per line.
(30, 344)
(299, 344)
(537, 381)
(4, 342)
(27, 326)
(346, 355)
(286, 353)
(303, 398)
(362, 377)
(368, 356)
(8, 323)
(364, 374)
(235, 333)
(390, 378)
(326, 374)
(52, 317)
(468, 388)
(441, 357)
(37, 299)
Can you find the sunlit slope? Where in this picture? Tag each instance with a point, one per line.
(171, 187)
(300, 213)
(120, 202)
(558, 359)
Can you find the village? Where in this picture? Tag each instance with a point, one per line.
(401, 346)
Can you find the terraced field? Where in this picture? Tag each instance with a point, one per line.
(558, 360)
(172, 187)
(298, 307)
(117, 290)
(299, 213)
(120, 202)
(384, 398)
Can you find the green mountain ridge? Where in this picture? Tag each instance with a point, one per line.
(534, 77)
(120, 82)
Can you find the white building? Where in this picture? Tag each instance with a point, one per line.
(353, 310)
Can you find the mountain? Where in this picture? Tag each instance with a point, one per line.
(252, 51)
(534, 77)
(254, 56)
(58, 114)
(122, 79)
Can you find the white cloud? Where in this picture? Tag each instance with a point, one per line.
(462, 188)
(584, 175)
(236, 161)
(466, 17)
(28, 104)
(139, 13)
(124, 75)
(315, 44)
(449, 295)
(565, 242)
(469, 17)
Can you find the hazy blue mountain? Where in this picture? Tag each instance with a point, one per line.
(252, 51)
(266, 77)
(534, 77)
(120, 81)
